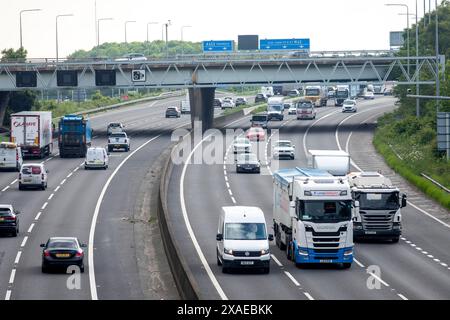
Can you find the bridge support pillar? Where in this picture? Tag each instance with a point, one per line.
(202, 109)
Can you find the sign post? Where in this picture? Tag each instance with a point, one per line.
(443, 132)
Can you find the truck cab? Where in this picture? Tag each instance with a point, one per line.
(275, 108)
(317, 95)
(377, 213)
(313, 217)
(75, 136)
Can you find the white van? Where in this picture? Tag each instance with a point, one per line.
(10, 156)
(96, 157)
(242, 239)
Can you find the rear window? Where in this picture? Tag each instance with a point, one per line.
(31, 170)
(114, 125)
(68, 244)
(118, 135)
(5, 212)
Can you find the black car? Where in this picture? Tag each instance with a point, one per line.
(260, 98)
(217, 103)
(173, 112)
(62, 252)
(9, 221)
(240, 101)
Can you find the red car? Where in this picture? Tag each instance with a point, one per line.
(256, 134)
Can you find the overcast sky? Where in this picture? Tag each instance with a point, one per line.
(330, 24)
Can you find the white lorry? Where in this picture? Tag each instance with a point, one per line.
(275, 108)
(186, 104)
(33, 132)
(312, 214)
(377, 213)
(336, 162)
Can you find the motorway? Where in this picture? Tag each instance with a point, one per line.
(68, 208)
(415, 268)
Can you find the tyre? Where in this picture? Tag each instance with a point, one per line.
(266, 270)
(82, 268)
(346, 265)
(219, 263)
(44, 269)
(20, 186)
(15, 232)
(395, 239)
(86, 168)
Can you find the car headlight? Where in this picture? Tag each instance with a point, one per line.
(264, 252)
(228, 251)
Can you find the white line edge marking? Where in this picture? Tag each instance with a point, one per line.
(308, 295)
(13, 275)
(30, 228)
(24, 241)
(292, 278)
(359, 263)
(92, 283)
(276, 260)
(19, 254)
(402, 296)
(8, 295)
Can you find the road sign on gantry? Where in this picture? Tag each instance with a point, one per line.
(284, 44)
(218, 46)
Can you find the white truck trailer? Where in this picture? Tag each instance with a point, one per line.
(336, 162)
(33, 132)
(312, 214)
(377, 213)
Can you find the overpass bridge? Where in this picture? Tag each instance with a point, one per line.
(201, 74)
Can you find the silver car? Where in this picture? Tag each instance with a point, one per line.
(349, 106)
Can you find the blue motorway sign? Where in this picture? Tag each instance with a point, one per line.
(218, 46)
(284, 44)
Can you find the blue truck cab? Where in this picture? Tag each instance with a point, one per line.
(75, 136)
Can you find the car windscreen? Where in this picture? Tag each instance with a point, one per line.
(31, 170)
(378, 201)
(114, 125)
(349, 103)
(245, 231)
(242, 141)
(324, 211)
(342, 94)
(275, 107)
(66, 244)
(283, 144)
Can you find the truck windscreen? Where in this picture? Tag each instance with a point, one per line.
(312, 92)
(259, 118)
(275, 107)
(324, 211)
(378, 201)
(342, 94)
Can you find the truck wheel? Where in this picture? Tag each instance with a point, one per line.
(346, 265)
(395, 239)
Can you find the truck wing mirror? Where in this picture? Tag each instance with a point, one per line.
(404, 202)
(219, 237)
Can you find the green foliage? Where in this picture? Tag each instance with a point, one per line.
(153, 49)
(18, 55)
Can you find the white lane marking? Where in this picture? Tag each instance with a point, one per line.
(8, 295)
(5, 188)
(413, 245)
(13, 275)
(305, 149)
(359, 263)
(19, 254)
(24, 242)
(444, 264)
(417, 248)
(292, 278)
(228, 185)
(226, 178)
(69, 175)
(308, 295)
(31, 228)
(425, 252)
(14, 182)
(62, 182)
(92, 283)
(437, 260)
(378, 278)
(57, 188)
(402, 296)
(233, 199)
(276, 260)
(51, 196)
(430, 256)
(408, 242)
(38, 215)
(231, 193)
(197, 247)
(44, 206)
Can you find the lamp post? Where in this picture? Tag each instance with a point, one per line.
(57, 45)
(98, 28)
(407, 25)
(438, 89)
(20, 20)
(126, 23)
(182, 44)
(166, 25)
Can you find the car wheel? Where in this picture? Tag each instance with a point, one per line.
(395, 239)
(44, 269)
(346, 265)
(82, 268)
(20, 186)
(219, 263)
(266, 270)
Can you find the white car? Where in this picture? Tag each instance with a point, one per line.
(242, 145)
(242, 239)
(228, 104)
(368, 95)
(10, 156)
(284, 149)
(293, 93)
(118, 141)
(115, 127)
(349, 106)
(33, 175)
(96, 157)
(292, 110)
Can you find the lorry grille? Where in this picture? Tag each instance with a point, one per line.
(374, 221)
(326, 245)
(326, 250)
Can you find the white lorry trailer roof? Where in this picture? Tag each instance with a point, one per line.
(333, 153)
(285, 176)
(370, 180)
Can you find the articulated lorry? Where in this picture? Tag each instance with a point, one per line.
(312, 215)
(377, 211)
(32, 132)
(342, 94)
(75, 136)
(318, 95)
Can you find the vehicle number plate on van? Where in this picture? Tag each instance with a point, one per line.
(26, 180)
(326, 261)
(247, 263)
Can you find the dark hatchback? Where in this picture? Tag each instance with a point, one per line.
(62, 252)
(260, 98)
(9, 221)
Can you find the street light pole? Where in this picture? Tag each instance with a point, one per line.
(127, 22)
(407, 26)
(98, 29)
(182, 43)
(20, 21)
(417, 64)
(57, 17)
(438, 89)
(167, 24)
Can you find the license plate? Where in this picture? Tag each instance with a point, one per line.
(26, 180)
(117, 146)
(247, 263)
(62, 255)
(371, 232)
(326, 261)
